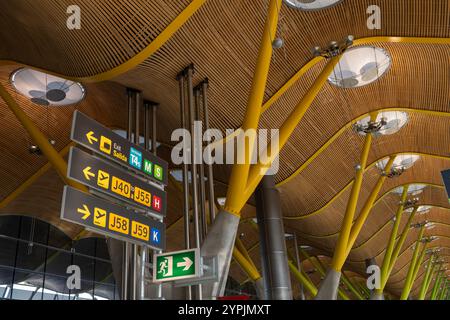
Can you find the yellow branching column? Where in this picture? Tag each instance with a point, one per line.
(427, 278)
(245, 178)
(414, 266)
(388, 262)
(329, 286)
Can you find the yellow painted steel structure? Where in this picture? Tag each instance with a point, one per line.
(414, 264)
(40, 139)
(248, 267)
(307, 283)
(387, 262)
(368, 205)
(239, 174)
(427, 279)
(401, 241)
(340, 255)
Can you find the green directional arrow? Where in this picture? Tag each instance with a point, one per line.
(176, 265)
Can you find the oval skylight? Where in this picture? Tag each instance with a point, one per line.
(420, 209)
(395, 120)
(404, 161)
(311, 4)
(413, 189)
(360, 66)
(45, 89)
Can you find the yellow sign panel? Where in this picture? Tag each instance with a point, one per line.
(121, 187)
(119, 223)
(100, 217)
(105, 145)
(142, 196)
(140, 231)
(103, 179)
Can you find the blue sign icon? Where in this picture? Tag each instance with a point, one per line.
(155, 235)
(135, 158)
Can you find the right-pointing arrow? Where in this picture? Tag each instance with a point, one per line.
(187, 263)
(84, 211)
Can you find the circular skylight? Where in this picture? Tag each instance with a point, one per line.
(360, 66)
(404, 161)
(420, 209)
(311, 4)
(394, 121)
(413, 189)
(45, 89)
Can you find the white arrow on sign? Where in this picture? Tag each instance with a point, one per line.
(186, 264)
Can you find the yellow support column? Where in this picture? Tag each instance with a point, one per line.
(425, 282)
(339, 256)
(401, 241)
(40, 139)
(391, 243)
(359, 222)
(307, 283)
(239, 173)
(412, 266)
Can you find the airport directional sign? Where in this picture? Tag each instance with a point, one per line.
(111, 220)
(176, 265)
(116, 182)
(94, 136)
(446, 178)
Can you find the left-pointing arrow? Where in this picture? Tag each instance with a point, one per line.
(90, 137)
(84, 211)
(87, 173)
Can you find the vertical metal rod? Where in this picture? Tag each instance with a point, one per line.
(126, 246)
(190, 71)
(185, 177)
(154, 148)
(154, 143)
(134, 247)
(202, 203)
(144, 249)
(299, 266)
(210, 175)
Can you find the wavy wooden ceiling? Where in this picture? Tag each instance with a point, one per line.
(222, 39)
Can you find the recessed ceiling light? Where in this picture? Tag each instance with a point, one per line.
(45, 89)
(392, 122)
(404, 161)
(360, 66)
(311, 4)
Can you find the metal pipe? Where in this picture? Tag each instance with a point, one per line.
(134, 247)
(299, 266)
(194, 184)
(415, 259)
(210, 174)
(263, 249)
(185, 176)
(280, 283)
(126, 246)
(154, 143)
(202, 203)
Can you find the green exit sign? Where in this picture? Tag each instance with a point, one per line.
(176, 265)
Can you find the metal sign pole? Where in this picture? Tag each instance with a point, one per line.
(185, 175)
(190, 72)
